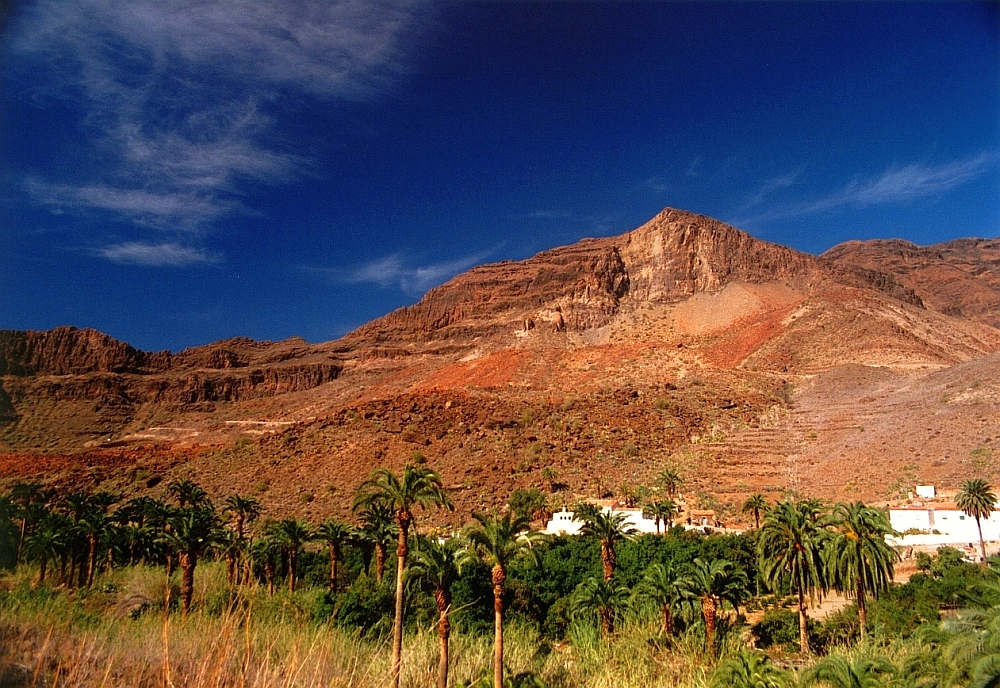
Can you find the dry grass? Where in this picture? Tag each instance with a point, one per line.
(118, 635)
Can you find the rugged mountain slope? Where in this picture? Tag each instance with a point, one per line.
(960, 278)
(685, 341)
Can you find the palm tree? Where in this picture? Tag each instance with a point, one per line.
(436, 565)
(497, 541)
(670, 479)
(26, 496)
(44, 545)
(244, 511)
(836, 671)
(715, 583)
(974, 647)
(790, 550)
(756, 504)
(378, 529)
(291, 535)
(600, 597)
(977, 500)
(858, 558)
(192, 531)
(8, 532)
(663, 585)
(416, 486)
(609, 529)
(335, 534)
(230, 546)
(187, 492)
(750, 669)
(661, 510)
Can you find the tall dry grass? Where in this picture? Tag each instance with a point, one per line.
(118, 635)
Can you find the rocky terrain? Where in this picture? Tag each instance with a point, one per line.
(685, 342)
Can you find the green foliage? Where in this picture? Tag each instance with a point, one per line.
(530, 504)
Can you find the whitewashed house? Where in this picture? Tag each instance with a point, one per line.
(562, 522)
(932, 524)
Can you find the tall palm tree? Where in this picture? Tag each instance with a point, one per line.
(27, 496)
(750, 669)
(790, 550)
(664, 586)
(336, 535)
(230, 546)
(976, 499)
(416, 486)
(497, 541)
(437, 566)
(670, 479)
(858, 559)
(974, 647)
(603, 598)
(291, 535)
(44, 545)
(244, 510)
(661, 511)
(756, 504)
(378, 529)
(837, 671)
(715, 583)
(192, 531)
(609, 529)
(187, 492)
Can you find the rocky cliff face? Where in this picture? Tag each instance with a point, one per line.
(583, 286)
(959, 278)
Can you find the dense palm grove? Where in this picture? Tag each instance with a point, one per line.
(499, 571)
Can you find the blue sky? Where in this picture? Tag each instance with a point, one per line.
(176, 172)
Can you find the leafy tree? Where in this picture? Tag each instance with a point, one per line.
(336, 535)
(977, 500)
(603, 598)
(192, 531)
(664, 586)
(750, 669)
(837, 671)
(609, 529)
(714, 583)
(291, 535)
(498, 541)
(436, 566)
(756, 504)
(416, 485)
(790, 549)
(531, 503)
(858, 558)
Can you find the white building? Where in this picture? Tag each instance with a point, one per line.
(934, 524)
(562, 522)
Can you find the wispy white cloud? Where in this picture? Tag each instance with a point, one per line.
(896, 185)
(395, 272)
(160, 255)
(176, 94)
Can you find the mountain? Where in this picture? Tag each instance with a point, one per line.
(749, 365)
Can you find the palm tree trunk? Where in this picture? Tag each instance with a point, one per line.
(499, 578)
(20, 542)
(862, 606)
(334, 560)
(41, 570)
(293, 555)
(982, 546)
(91, 558)
(230, 569)
(379, 561)
(402, 551)
(667, 628)
(709, 610)
(188, 561)
(444, 634)
(607, 622)
(608, 560)
(803, 624)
